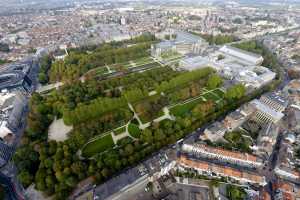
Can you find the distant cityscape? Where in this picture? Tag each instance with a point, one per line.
(138, 100)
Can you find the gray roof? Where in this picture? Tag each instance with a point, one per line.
(186, 37)
(165, 44)
(12, 109)
(241, 54)
(277, 98)
(266, 109)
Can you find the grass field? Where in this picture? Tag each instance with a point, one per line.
(181, 109)
(119, 130)
(143, 61)
(100, 71)
(97, 146)
(219, 92)
(146, 61)
(134, 130)
(211, 96)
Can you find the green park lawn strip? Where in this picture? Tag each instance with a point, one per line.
(101, 70)
(119, 130)
(143, 61)
(134, 130)
(116, 67)
(219, 92)
(182, 109)
(210, 96)
(98, 146)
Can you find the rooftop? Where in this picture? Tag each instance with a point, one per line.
(226, 171)
(266, 109)
(241, 54)
(221, 152)
(276, 97)
(186, 37)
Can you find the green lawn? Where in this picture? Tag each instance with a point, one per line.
(101, 70)
(134, 130)
(181, 110)
(210, 96)
(219, 92)
(119, 130)
(142, 61)
(97, 146)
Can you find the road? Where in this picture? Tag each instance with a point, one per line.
(134, 192)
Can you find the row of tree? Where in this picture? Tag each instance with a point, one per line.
(144, 38)
(218, 39)
(184, 79)
(45, 64)
(76, 64)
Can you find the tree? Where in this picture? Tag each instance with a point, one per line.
(129, 149)
(235, 92)
(147, 136)
(214, 81)
(26, 178)
(71, 181)
(43, 79)
(235, 193)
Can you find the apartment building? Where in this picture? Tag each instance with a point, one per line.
(209, 169)
(236, 158)
(287, 174)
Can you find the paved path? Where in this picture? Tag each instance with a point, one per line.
(108, 69)
(121, 135)
(48, 87)
(195, 98)
(165, 116)
(135, 116)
